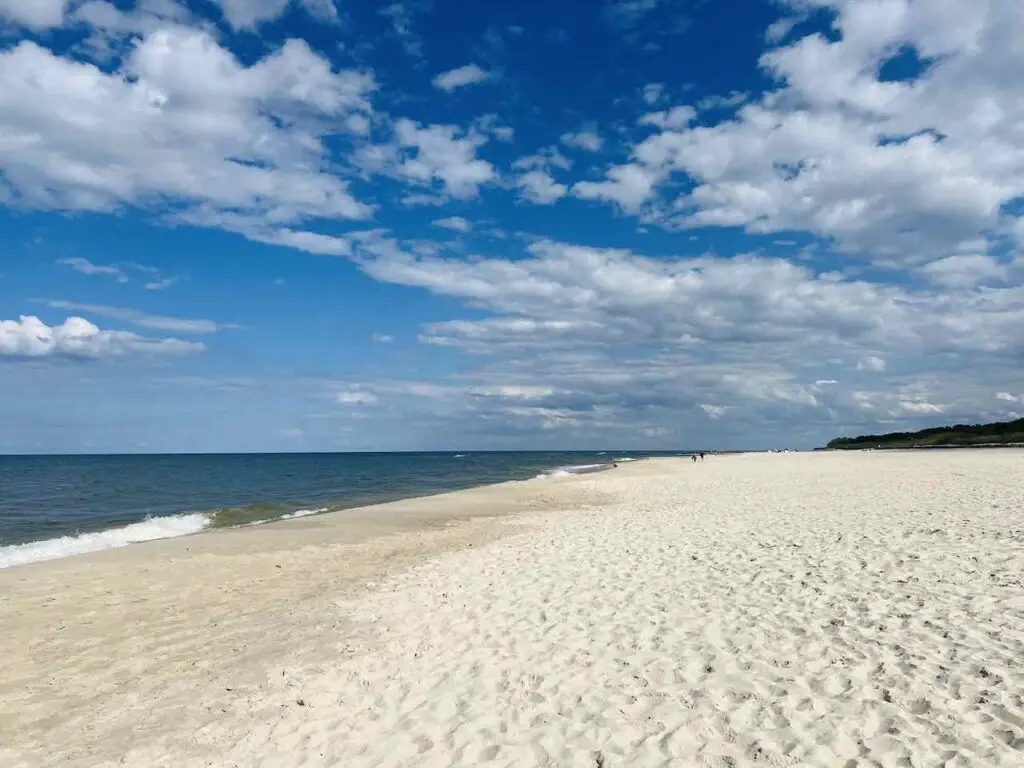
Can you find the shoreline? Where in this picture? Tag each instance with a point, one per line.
(802, 609)
(194, 522)
(229, 603)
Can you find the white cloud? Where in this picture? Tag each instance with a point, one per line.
(143, 320)
(589, 141)
(621, 339)
(713, 411)
(1009, 397)
(160, 284)
(455, 223)
(256, 229)
(653, 92)
(614, 296)
(778, 30)
(249, 14)
(627, 14)
(491, 125)
(401, 23)
(733, 99)
(310, 242)
(871, 363)
(629, 186)
(541, 188)
(323, 10)
(513, 392)
(38, 14)
(671, 119)
(181, 120)
(919, 406)
(454, 79)
(891, 169)
(544, 159)
(29, 337)
(383, 338)
(964, 270)
(86, 267)
(428, 155)
(355, 397)
(108, 21)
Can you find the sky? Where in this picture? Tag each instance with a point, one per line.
(335, 225)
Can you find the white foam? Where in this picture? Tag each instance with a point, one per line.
(579, 469)
(65, 546)
(303, 513)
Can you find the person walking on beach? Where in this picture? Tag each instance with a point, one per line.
(694, 457)
(702, 455)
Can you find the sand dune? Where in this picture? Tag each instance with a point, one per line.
(791, 610)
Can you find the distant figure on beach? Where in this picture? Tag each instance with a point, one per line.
(694, 457)
(702, 455)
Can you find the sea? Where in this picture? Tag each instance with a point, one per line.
(58, 506)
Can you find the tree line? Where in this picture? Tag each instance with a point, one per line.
(998, 432)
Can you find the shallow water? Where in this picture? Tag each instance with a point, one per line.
(53, 506)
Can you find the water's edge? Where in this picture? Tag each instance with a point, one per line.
(190, 523)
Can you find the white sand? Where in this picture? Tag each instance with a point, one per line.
(817, 610)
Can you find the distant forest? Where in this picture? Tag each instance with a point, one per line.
(997, 433)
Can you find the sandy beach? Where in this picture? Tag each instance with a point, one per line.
(836, 609)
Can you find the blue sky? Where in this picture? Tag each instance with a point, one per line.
(261, 225)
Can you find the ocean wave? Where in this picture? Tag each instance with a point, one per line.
(112, 538)
(577, 469)
(304, 513)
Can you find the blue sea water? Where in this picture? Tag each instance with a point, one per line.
(55, 506)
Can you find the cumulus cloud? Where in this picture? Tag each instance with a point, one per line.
(454, 223)
(1009, 397)
(653, 92)
(964, 270)
(30, 338)
(180, 120)
(887, 168)
(433, 154)
(590, 141)
(543, 159)
(629, 186)
(454, 79)
(871, 363)
(37, 14)
(670, 119)
(540, 187)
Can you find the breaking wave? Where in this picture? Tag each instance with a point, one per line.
(146, 530)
